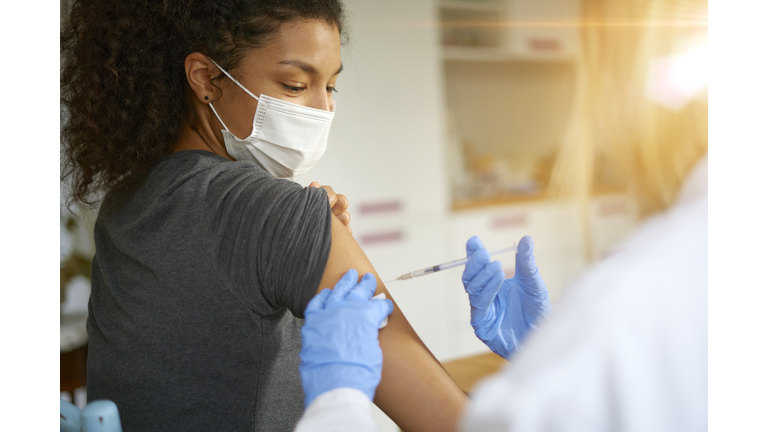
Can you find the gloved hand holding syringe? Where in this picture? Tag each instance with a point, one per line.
(450, 264)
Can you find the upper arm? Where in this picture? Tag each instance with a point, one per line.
(269, 239)
(415, 390)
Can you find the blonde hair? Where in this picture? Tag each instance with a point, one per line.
(650, 149)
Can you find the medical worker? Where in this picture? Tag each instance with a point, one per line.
(625, 349)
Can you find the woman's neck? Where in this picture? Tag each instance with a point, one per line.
(200, 138)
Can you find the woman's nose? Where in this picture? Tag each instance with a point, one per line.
(321, 100)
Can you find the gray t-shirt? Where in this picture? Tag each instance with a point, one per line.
(199, 283)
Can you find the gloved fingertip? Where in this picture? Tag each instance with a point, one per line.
(473, 244)
(349, 279)
(525, 247)
(495, 266)
(525, 261)
(345, 285)
(478, 259)
(369, 283)
(389, 307)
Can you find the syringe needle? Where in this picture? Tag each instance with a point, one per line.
(447, 265)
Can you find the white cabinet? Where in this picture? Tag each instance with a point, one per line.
(543, 29)
(531, 30)
(470, 30)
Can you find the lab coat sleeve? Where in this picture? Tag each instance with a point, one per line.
(339, 410)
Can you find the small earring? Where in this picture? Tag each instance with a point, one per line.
(206, 98)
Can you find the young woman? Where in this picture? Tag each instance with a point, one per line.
(186, 115)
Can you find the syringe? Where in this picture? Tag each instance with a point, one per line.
(450, 264)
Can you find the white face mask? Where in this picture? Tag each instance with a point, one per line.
(287, 139)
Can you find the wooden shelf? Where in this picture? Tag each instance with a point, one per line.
(476, 203)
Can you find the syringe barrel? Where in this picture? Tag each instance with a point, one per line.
(437, 268)
(454, 263)
(426, 271)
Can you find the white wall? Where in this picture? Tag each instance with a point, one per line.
(387, 135)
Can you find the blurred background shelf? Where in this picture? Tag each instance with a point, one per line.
(464, 53)
(519, 30)
(479, 203)
(475, 203)
(475, 5)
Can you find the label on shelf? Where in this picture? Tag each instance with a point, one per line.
(613, 207)
(382, 237)
(548, 45)
(381, 207)
(509, 221)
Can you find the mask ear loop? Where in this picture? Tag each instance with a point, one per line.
(234, 80)
(238, 84)
(217, 116)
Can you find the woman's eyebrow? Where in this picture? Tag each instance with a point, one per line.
(306, 67)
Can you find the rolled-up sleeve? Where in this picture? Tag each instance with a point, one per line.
(270, 239)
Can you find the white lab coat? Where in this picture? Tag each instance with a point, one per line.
(624, 350)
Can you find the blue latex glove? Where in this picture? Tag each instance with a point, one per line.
(503, 311)
(340, 338)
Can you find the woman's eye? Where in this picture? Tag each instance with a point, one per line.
(293, 89)
(331, 89)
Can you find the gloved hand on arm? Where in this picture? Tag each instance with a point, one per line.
(340, 338)
(504, 311)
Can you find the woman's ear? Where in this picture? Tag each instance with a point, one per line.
(200, 70)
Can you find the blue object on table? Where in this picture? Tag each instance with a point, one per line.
(97, 416)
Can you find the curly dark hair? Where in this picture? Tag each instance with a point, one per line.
(123, 84)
